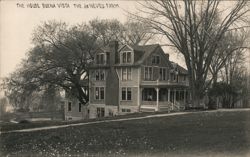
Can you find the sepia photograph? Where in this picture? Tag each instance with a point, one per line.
(124, 78)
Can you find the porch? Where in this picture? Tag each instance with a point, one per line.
(163, 99)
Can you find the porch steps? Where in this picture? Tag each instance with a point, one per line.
(164, 108)
(143, 109)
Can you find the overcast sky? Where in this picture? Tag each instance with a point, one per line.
(17, 24)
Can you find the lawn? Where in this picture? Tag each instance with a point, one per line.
(194, 134)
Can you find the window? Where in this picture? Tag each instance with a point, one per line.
(129, 94)
(148, 73)
(80, 107)
(102, 93)
(69, 106)
(126, 74)
(126, 93)
(163, 74)
(129, 75)
(126, 110)
(123, 93)
(97, 75)
(126, 57)
(99, 93)
(108, 57)
(156, 59)
(100, 75)
(100, 58)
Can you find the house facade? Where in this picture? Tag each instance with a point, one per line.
(126, 79)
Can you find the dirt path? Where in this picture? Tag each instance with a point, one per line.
(117, 120)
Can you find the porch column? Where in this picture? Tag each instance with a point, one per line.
(184, 97)
(157, 99)
(174, 98)
(140, 98)
(169, 94)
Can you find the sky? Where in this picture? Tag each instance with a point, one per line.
(18, 21)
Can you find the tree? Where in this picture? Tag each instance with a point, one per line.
(131, 32)
(61, 56)
(233, 45)
(3, 105)
(195, 29)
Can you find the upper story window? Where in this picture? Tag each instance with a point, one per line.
(99, 93)
(126, 93)
(107, 57)
(126, 57)
(69, 106)
(156, 59)
(148, 73)
(163, 74)
(126, 74)
(100, 58)
(99, 75)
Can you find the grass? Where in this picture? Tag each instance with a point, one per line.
(195, 134)
(8, 126)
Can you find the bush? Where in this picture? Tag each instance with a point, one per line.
(24, 121)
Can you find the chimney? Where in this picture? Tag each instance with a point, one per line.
(167, 55)
(113, 45)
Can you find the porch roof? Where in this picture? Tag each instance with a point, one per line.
(165, 86)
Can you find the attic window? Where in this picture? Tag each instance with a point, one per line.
(100, 58)
(108, 57)
(126, 57)
(156, 59)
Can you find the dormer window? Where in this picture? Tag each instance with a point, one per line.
(100, 58)
(156, 59)
(107, 57)
(126, 57)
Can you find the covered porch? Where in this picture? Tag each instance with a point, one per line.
(163, 98)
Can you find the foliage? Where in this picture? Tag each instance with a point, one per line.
(61, 56)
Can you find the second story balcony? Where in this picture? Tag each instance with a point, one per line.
(164, 83)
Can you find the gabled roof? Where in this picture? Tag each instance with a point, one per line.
(179, 68)
(142, 52)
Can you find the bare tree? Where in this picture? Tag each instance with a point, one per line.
(232, 45)
(131, 32)
(195, 29)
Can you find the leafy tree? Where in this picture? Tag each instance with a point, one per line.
(60, 59)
